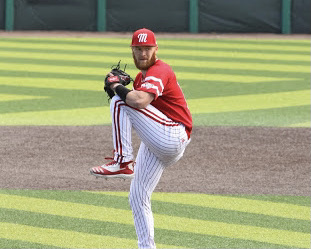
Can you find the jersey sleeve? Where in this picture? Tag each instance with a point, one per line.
(154, 82)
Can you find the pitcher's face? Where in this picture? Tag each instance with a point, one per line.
(144, 56)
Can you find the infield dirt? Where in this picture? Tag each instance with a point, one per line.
(219, 160)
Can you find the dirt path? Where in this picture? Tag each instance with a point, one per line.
(222, 160)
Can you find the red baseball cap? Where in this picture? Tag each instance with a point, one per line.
(144, 37)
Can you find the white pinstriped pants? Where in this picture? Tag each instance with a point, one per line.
(162, 143)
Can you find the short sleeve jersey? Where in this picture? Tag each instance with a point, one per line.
(161, 81)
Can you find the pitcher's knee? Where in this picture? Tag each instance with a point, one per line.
(114, 103)
(114, 99)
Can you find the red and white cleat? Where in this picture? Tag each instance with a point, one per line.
(114, 170)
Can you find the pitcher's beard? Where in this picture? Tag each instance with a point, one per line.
(144, 65)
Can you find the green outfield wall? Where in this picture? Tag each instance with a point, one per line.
(195, 16)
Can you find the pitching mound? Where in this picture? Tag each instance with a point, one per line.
(221, 160)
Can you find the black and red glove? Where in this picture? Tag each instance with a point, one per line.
(116, 76)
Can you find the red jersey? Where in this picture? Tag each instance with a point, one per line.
(161, 81)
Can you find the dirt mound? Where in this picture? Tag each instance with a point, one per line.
(221, 160)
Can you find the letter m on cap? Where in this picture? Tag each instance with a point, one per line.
(142, 37)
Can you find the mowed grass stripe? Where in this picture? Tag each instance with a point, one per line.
(295, 239)
(13, 97)
(75, 73)
(62, 238)
(13, 243)
(290, 199)
(91, 116)
(189, 64)
(179, 44)
(246, 41)
(100, 62)
(114, 47)
(270, 208)
(190, 210)
(254, 102)
(211, 86)
(52, 69)
(183, 72)
(186, 63)
(163, 53)
(181, 68)
(163, 236)
(53, 84)
(125, 40)
(126, 53)
(208, 45)
(267, 235)
(210, 74)
(83, 225)
(238, 66)
(222, 75)
(69, 209)
(54, 110)
(292, 116)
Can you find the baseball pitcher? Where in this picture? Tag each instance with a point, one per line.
(157, 110)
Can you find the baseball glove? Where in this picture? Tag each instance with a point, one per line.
(119, 76)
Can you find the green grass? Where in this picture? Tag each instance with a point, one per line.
(238, 82)
(80, 219)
